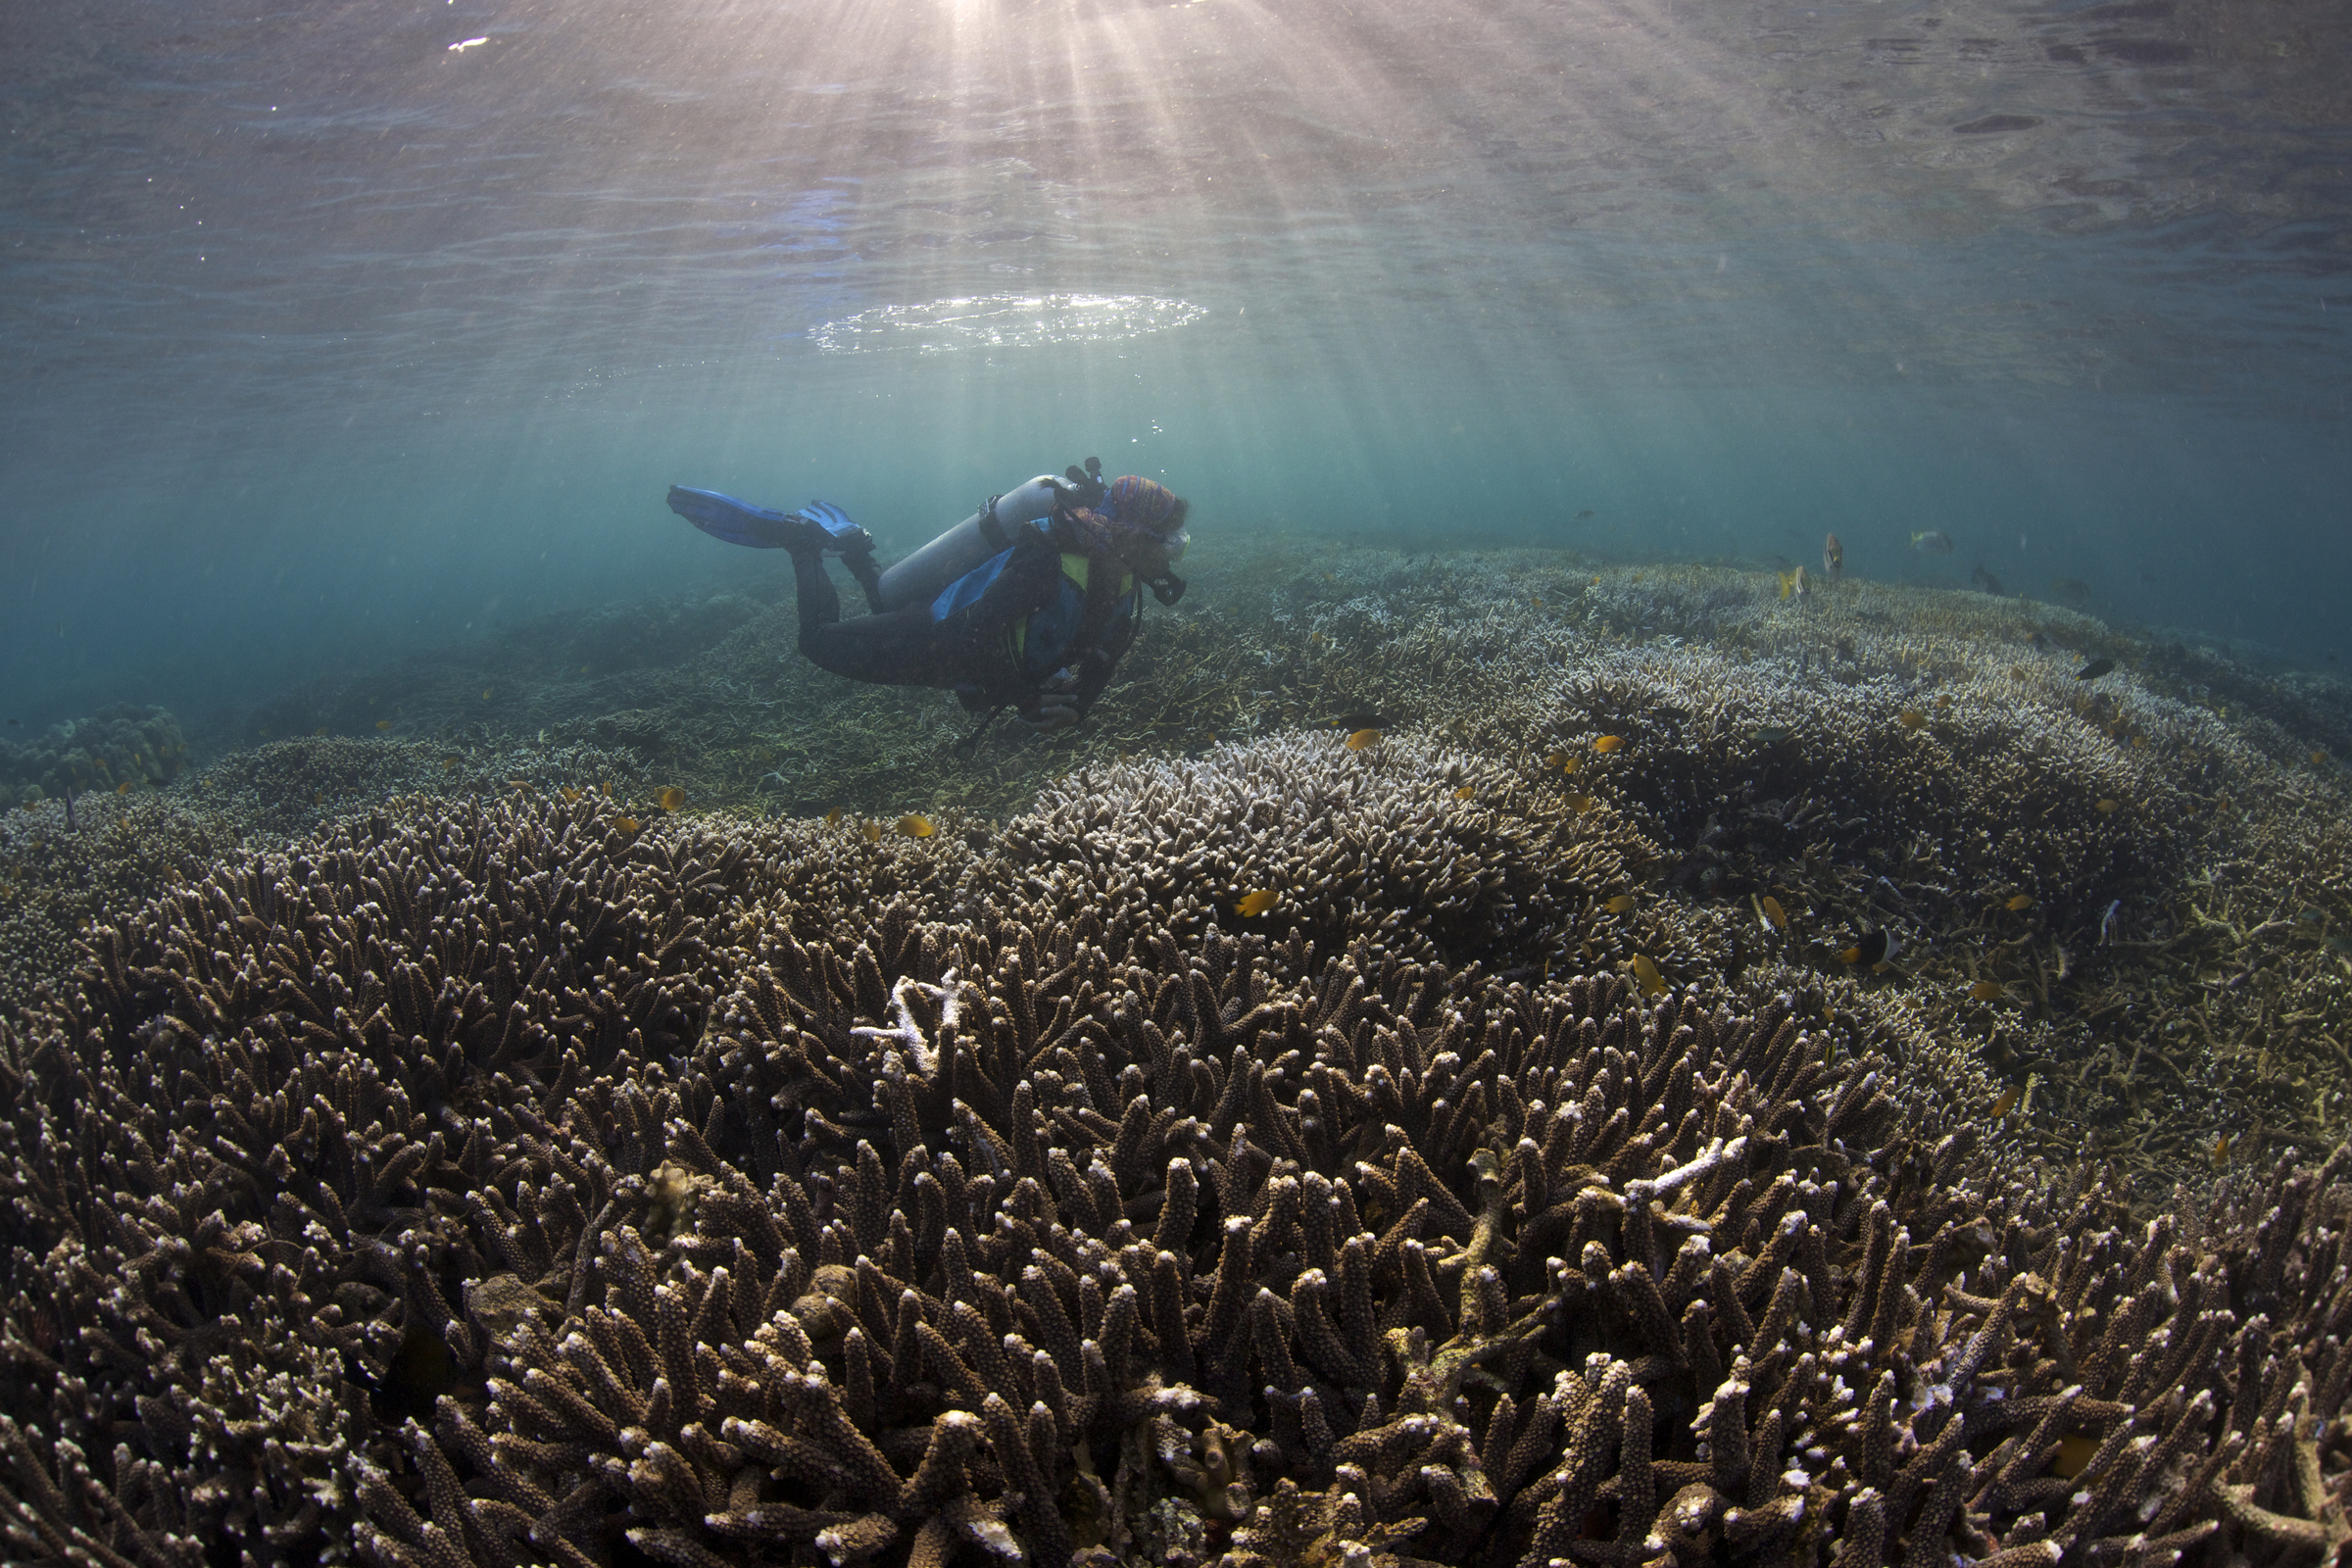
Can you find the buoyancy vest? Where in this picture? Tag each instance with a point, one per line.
(1051, 636)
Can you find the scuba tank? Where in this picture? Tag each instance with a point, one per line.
(923, 575)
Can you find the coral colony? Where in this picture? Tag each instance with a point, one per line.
(491, 1177)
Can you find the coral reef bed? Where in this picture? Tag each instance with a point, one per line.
(120, 749)
(502, 1182)
(59, 873)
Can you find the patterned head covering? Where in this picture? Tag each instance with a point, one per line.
(1134, 500)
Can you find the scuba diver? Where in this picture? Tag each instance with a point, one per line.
(1028, 603)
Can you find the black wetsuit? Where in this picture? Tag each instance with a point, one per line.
(983, 650)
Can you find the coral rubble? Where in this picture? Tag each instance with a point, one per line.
(503, 1182)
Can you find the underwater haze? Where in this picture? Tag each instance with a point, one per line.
(338, 332)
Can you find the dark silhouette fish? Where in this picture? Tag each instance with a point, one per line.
(2094, 669)
(1361, 720)
(1933, 542)
(1833, 557)
(1989, 582)
(2074, 590)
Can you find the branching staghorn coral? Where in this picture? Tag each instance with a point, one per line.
(492, 1185)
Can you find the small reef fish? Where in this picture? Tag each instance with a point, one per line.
(627, 825)
(2107, 922)
(521, 786)
(570, 794)
(2106, 808)
(381, 723)
(670, 797)
(1833, 557)
(1653, 983)
(1988, 991)
(1620, 904)
(1985, 580)
(1582, 804)
(1556, 760)
(833, 817)
(1875, 948)
(2006, 1104)
(916, 827)
(1774, 916)
(1911, 719)
(1931, 542)
(2318, 758)
(1465, 792)
(123, 788)
(1586, 515)
(2018, 902)
(1362, 738)
(2073, 1456)
(321, 730)
(2094, 669)
(2221, 1150)
(1770, 734)
(1606, 744)
(485, 694)
(1351, 723)
(15, 723)
(1793, 583)
(873, 832)
(1250, 905)
(2074, 590)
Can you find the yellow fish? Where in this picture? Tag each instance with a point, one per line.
(833, 817)
(627, 825)
(383, 723)
(123, 788)
(2073, 1456)
(1653, 983)
(606, 789)
(583, 670)
(1465, 792)
(2006, 1104)
(321, 730)
(1619, 904)
(915, 827)
(1581, 804)
(318, 797)
(485, 694)
(1361, 738)
(1556, 760)
(1987, 991)
(2221, 1150)
(2107, 807)
(1787, 583)
(2021, 901)
(873, 832)
(523, 785)
(571, 795)
(449, 765)
(1539, 603)
(1250, 905)
(670, 797)
(1911, 719)
(1774, 916)
(1609, 743)
(2318, 758)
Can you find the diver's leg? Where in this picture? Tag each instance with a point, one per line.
(899, 647)
(819, 605)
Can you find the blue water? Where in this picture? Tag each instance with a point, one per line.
(325, 341)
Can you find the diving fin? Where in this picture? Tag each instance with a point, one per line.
(821, 524)
(738, 523)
